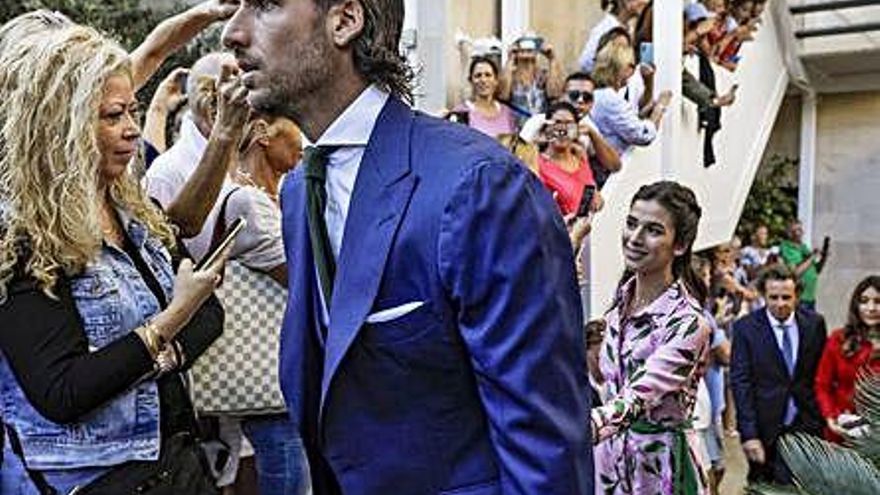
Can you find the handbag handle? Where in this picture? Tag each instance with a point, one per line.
(220, 223)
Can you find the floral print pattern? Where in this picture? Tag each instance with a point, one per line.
(652, 363)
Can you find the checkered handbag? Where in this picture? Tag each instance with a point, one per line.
(238, 374)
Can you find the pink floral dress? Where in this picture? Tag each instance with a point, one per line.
(652, 363)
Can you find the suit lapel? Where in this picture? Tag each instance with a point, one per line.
(381, 194)
(769, 338)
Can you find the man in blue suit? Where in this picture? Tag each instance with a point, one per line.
(776, 352)
(432, 342)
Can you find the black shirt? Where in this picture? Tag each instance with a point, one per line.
(47, 349)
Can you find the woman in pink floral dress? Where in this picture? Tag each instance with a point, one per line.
(654, 353)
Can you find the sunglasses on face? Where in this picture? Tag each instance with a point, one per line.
(585, 96)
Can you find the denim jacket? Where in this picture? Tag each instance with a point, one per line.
(112, 299)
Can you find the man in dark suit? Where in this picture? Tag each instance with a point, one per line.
(776, 351)
(432, 342)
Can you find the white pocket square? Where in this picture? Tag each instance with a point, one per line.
(394, 313)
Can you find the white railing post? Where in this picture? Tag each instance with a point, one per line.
(668, 41)
(515, 21)
(807, 172)
(425, 24)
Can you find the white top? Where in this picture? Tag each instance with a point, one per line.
(588, 55)
(634, 89)
(259, 245)
(792, 327)
(350, 132)
(619, 122)
(168, 174)
(702, 414)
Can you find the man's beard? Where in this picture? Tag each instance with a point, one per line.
(288, 91)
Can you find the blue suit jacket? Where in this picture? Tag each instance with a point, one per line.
(760, 380)
(483, 388)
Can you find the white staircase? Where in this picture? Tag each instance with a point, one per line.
(722, 189)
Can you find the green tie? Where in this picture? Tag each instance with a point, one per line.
(316, 177)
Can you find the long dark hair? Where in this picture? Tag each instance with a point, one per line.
(377, 55)
(681, 204)
(855, 332)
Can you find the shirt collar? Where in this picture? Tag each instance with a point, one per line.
(790, 322)
(355, 125)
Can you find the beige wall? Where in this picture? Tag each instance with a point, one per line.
(475, 19)
(566, 24)
(847, 195)
(847, 192)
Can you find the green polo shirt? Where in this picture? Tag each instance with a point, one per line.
(795, 254)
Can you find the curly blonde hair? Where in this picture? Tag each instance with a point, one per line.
(51, 86)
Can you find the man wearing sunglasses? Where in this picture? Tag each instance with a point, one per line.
(578, 91)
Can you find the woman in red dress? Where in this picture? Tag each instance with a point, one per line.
(564, 168)
(849, 351)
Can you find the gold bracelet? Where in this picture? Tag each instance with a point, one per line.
(150, 327)
(149, 341)
(152, 339)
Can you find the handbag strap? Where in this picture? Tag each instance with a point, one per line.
(36, 477)
(220, 223)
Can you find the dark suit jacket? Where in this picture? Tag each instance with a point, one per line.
(761, 383)
(480, 390)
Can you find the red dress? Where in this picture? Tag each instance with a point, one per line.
(568, 187)
(836, 377)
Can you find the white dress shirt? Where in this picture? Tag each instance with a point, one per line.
(350, 133)
(793, 333)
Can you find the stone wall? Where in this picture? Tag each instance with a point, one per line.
(847, 195)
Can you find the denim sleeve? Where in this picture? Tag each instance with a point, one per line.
(45, 344)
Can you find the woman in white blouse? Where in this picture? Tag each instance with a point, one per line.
(616, 119)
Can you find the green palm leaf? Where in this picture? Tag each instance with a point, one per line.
(774, 490)
(868, 406)
(822, 468)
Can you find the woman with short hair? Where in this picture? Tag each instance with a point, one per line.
(616, 119)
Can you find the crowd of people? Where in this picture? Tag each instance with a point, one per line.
(401, 308)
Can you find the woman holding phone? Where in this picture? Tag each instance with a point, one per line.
(97, 328)
(564, 168)
(853, 349)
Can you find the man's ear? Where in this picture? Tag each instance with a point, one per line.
(346, 22)
(261, 132)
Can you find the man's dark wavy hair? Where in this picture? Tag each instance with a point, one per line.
(377, 55)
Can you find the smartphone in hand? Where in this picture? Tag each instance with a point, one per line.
(231, 233)
(646, 53)
(585, 206)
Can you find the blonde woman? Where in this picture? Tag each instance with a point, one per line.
(96, 326)
(616, 119)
